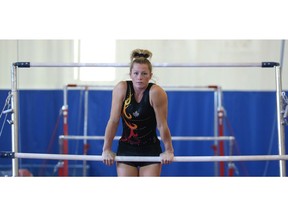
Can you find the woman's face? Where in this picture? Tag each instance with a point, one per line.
(140, 75)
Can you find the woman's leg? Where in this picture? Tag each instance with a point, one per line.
(150, 170)
(126, 170)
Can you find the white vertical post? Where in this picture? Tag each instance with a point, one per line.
(280, 126)
(14, 118)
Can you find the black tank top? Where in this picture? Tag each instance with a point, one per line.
(138, 119)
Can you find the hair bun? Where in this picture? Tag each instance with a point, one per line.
(141, 53)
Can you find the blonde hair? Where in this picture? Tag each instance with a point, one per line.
(141, 56)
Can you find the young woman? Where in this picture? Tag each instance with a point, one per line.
(143, 108)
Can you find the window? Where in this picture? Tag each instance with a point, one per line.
(94, 51)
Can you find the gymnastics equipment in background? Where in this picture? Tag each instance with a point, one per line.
(218, 138)
(14, 110)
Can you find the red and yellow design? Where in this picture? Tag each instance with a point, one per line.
(128, 116)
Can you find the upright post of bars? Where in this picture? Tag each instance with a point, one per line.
(280, 121)
(215, 145)
(14, 118)
(220, 118)
(63, 170)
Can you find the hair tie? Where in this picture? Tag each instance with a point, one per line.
(139, 55)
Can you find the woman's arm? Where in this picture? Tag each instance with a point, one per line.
(159, 102)
(118, 96)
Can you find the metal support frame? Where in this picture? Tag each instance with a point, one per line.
(14, 97)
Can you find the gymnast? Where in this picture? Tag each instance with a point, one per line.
(142, 105)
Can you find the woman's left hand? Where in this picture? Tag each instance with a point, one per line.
(166, 157)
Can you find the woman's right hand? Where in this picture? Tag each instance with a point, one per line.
(108, 157)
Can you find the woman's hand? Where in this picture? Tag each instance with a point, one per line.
(166, 157)
(108, 157)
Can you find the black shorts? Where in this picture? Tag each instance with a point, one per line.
(125, 149)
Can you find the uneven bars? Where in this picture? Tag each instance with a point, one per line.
(30, 64)
(151, 159)
(14, 99)
(178, 138)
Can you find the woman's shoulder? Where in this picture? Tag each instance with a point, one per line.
(156, 88)
(157, 91)
(119, 89)
(122, 85)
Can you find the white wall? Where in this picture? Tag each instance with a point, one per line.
(8, 54)
(164, 51)
(212, 51)
(53, 51)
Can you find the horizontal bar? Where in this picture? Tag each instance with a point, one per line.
(169, 88)
(29, 64)
(183, 138)
(153, 159)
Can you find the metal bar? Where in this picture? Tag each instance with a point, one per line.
(167, 88)
(221, 142)
(29, 64)
(280, 126)
(175, 138)
(14, 118)
(215, 145)
(63, 171)
(153, 159)
(7, 111)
